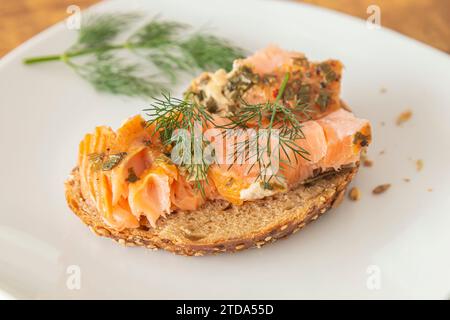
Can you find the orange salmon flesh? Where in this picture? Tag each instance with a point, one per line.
(129, 177)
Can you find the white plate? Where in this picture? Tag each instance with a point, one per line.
(400, 238)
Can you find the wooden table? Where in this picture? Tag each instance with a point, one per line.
(424, 20)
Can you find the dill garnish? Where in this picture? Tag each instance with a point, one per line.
(279, 117)
(158, 53)
(177, 121)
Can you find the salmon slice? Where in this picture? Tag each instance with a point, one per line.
(95, 182)
(270, 60)
(150, 195)
(134, 132)
(122, 216)
(91, 150)
(185, 196)
(135, 138)
(345, 135)
(229, 182)
(134, 163)
(295, 168)
(331, 142)
(315, 83)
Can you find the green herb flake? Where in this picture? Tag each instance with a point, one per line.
(361, 139)
(242, 80)
(322, 100)
(96, 160)
(304, 93)
(113, 160)
(330, 75)
(211, 105)
(132, 177)
(301, 61)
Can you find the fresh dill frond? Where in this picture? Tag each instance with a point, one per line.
(270, 116)
(166, 48)
(156, 34)
(174, 120)
(98, 30)
(169, 114)
(169, 62)
(210, 52)
(108, 73)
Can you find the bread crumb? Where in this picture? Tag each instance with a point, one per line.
(406, 179)
(403, 117)
(430, 189)
(419, 165)
(368, 163)
(381, 188)
(354, 194)
(382, 152)
(382, 123)
(383, 90)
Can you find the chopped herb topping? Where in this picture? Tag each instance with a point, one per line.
(361, 139)
(105, 162)
(132, 177)
(330, 75)
(322, 100)
(301, 61)
(113, 160)
(304, 93)
(211, 105)
(269, 79)
(96, 160)
(242, 80)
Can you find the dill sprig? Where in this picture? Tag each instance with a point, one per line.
(270, 116)
(169, 114)
(108, 73)
(163, 44)
(220, 51)
(100, 30)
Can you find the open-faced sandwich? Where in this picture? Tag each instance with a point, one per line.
(245, 158)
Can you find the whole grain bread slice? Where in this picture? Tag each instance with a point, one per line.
(220, 226)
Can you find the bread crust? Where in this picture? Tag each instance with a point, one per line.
(283, 214)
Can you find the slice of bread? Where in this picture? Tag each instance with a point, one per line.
(220, 226)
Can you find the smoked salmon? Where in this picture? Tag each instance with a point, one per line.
(129, 174)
